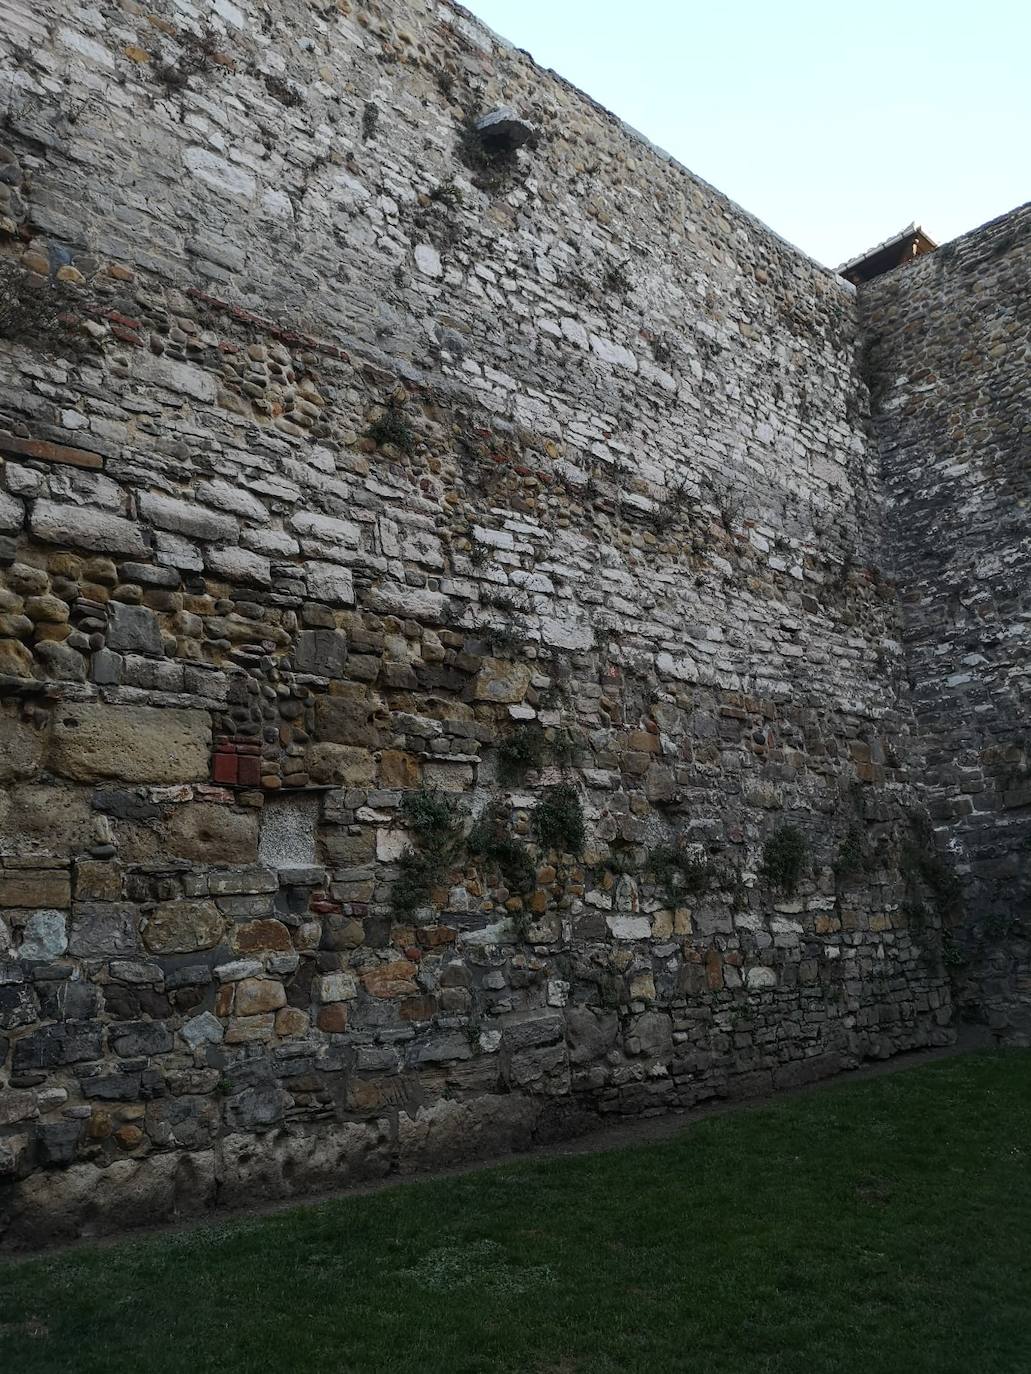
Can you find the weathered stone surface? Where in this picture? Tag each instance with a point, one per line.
(460, 1131)
(133, 630)
(39, 819)
(70, 1043)
(256, 995)
(501, 682)
(91, 742)
(44, 937)
(182, 926)
(86, 527)
(330, 583)
(340, 764)
(211, 834)
(188, 518)
(40, 887)
(323, 652)
(102, 929)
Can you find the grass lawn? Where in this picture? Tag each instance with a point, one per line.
(882, 1225)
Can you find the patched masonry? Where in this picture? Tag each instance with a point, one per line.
(452, 668)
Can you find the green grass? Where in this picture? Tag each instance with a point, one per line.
(877, 1226)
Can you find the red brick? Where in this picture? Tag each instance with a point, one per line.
(224, 767)
(249, 774)
(49, 453)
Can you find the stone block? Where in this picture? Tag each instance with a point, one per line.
(393, 598)
(40, 819)
(209, 833)
(502, 682)
(133, 630)
(449, 1132)
(188, 518)
(329, 583)
(44, 452)
(340, 764)
(256, 995)
(179, 927)
(35, 887)
(44, 936)
(70, 1042)
(91, 741)
(87, 527)
(239, 565)
(328, 532)
(102, 929)
(321, 652)
(130, 1039)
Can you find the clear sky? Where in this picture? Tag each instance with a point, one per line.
(835, 124)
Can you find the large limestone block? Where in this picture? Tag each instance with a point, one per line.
(90, 741)
(87, 527)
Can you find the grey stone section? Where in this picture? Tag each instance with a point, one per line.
(946, 354)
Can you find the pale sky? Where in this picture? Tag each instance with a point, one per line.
(835, 124)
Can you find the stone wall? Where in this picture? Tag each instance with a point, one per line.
(948, 352)
(451, 687)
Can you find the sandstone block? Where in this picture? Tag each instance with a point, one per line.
(391, 980)
(340, 764)
(179, 927)
(15, 659)
(255, 995)
(21, 751)
(27, 887)
(90, 741)
(502, 682)
(211, 834)
(44, 819)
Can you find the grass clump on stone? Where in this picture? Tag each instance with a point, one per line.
(491, 839)
(785, 858)
(558, 820)
(391, 427)
(524, 749)
(679, 871)
(437, 832)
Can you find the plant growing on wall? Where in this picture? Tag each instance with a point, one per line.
(491, 839)
(525, 748)
(923, 867)
(853, 856)
(437, 833)
(785, 858)
(39, 311)
(679, 870)
(558, 820)
(391, 427)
